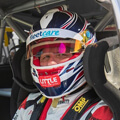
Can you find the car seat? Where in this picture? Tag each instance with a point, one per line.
(23, 83)
(104, 79)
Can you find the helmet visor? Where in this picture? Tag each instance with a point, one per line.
(55, 46)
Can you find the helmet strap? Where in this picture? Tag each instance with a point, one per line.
(55, 102)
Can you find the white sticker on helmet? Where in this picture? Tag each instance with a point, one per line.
(53, 32)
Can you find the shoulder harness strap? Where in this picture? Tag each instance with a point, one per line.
(38, 108)
(76, 110)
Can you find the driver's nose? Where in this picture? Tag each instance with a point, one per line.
(52, 60)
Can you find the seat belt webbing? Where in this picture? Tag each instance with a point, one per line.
(38, 108)
(76, 110)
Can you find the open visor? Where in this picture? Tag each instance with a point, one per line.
(62, 46)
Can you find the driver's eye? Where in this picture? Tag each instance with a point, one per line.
(44, 57)
(59, 55)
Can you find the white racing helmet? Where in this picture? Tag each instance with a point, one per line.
(68, 32)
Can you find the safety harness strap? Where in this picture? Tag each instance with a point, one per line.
(38, 108)
(76, 110)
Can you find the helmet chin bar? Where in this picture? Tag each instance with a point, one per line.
(93, 63)
(67, 81)
(83, 85)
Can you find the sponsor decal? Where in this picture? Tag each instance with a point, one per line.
(42, 34)
(49, 81)
(66, 101)
(80, 104)
(53, 32)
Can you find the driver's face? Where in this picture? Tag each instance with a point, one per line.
(51, 56)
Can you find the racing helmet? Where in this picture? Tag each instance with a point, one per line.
(69, 34)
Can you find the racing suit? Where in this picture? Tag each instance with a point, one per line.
(57, 110)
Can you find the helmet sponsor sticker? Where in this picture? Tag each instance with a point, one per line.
(53, 32)
(49, 81)
(44, 34)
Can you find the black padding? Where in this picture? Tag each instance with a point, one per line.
(17, 96)
(21, 96)
(16, 66)
(23, 82)
(104, 34)
(93, 62)
(25, 71)
(21, 70)
(14, 99)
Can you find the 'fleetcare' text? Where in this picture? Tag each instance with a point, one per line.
(43, 34)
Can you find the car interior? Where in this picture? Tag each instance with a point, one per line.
(101, 60)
